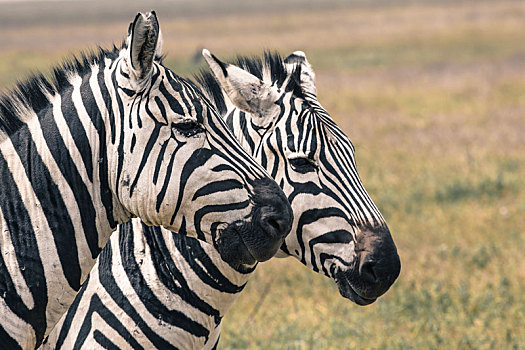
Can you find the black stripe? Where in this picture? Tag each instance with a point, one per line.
(310, 216)
(368, 204)
(203, 264)
(167, 179)
(76, 128)
(173, 80)
(152, 141)
(26, 249)
(195, 161)
(229, 121)
(173, 279)
(244, 128)
(71, 312)
(174, 104)
(107, 280)
(61, 223)
(332, 237)
(215, 208)
(276, 155)
(51, 200)
(218, 186)
(161, 108)
(219, 134)
(103, 341)
(106, 96)
(133, 142)
(6, 342)
(348, 195)
(97, 306)
(160, 159)
(264, 160)
(95, 115)
(168, 274)
(120, 147)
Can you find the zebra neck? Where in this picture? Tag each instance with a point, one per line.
(184, 267)
(55, 205)
(75, 132)
(55, 173)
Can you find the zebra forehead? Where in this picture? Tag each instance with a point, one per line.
(317, 125)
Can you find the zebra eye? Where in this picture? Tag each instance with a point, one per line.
(188, 128)
(303, 165)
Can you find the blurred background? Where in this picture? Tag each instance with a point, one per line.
(432, 93)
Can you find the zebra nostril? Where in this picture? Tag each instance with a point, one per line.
(367, 272)
(280, 226)
(275, 224)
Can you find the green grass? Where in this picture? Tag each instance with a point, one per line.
(433, 97)
(460, 239)
(438, 124)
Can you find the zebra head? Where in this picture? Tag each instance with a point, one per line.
(175, 163)
(337, 229)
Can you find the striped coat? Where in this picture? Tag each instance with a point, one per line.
(173, 291)
(115, 135)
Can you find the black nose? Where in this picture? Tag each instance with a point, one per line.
(379, 263)
(275, 214)
(272, 217)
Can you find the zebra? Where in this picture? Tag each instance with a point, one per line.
(173, 291)
(117, 135)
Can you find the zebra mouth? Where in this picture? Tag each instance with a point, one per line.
(347, 290)
(231, 246)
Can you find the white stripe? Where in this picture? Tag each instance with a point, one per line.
(213, 337)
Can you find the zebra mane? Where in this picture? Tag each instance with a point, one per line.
(271, 66)
(33, 94)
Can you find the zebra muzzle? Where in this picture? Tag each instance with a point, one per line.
(374, 270)
(258, 237)
(231, 247)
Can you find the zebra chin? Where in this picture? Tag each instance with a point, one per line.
(347, 290)
(237, 246)
(231, 246)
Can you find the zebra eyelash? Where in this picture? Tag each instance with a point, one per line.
(302, 164)
(187, 128)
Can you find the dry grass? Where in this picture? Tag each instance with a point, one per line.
(433, 96)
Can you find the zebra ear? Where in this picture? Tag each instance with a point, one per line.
(245, 90)
(307, 73)
(144, 44)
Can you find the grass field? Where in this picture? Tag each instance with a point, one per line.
(433, 97)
